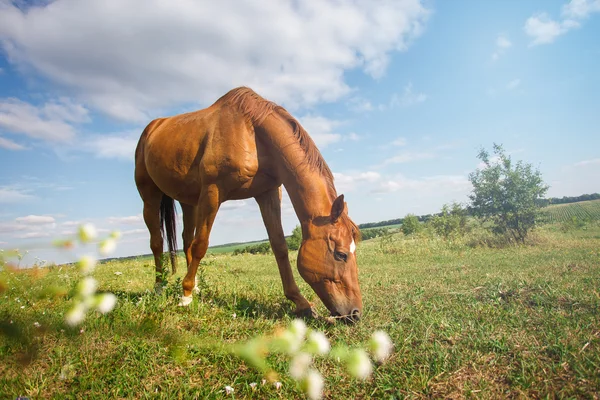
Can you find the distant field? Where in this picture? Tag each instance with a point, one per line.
(231, 247)
(582, 210)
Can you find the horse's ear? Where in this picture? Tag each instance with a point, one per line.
(337, 208)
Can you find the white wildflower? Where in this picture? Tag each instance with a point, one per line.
(87, 233)
(76, 315)
(277, 385)
(263, 382)
(253, 385)
(380, 345)
(359, 364)
(298, 328)
(87, 286)
(228, 390)
(36, 324)
(299, 365)
(106, 302)
(86, 264)
(118, 273)
(107, 246)
(234, 315)
(312, 385)
(288, 342)
(318, 343)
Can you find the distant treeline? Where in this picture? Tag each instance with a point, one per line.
(541, 202)
(398, 221)
(566, 199)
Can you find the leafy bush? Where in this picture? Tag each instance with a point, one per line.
(507, 194)
(294, 241)
(451, 222)
(411, 224)
(261, 248)
(371, 233)
(574, 223)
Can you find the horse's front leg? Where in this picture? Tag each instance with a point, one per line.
(270, 208)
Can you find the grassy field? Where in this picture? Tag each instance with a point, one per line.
(519, 322)
(583, 210)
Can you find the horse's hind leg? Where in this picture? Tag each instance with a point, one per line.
(189, 227)
(206, 211)
(152, 196)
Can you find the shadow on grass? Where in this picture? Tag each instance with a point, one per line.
(246, 306)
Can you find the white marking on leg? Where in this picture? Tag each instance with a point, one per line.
(185, 301)
(352, 247)
(196, 288)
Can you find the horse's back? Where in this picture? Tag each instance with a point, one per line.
(183, 152)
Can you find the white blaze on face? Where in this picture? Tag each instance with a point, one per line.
(352, 247)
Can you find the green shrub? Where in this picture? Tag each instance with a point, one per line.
(411, 224)
(294, 241)
(451, 222)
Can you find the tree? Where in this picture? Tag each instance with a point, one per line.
(295, 240)
(452, 221)
(410, 224)
(507, 194)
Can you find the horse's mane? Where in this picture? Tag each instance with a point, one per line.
(257, 109)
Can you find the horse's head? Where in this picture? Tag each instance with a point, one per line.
(327, 261)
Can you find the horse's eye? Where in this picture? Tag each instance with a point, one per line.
(340, 256)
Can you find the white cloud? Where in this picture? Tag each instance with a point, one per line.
(321, 129)
(399, 142)
(502, 44)
(359, 104)
(119, 146)
(353, 136)
(515, 83)
(35, 220)
(408, 157)
(587, 162)
(134, 231)
(10, 226)
(32, 235)
(50, 121)
(545, 30)
(408, 97)
(14, 195)
(452, 183)
(149, 55)
(10, 145)
(349, 181)
(129, 220)
(234, 204)
(580, 9)
(71, 223)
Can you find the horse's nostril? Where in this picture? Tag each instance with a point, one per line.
(355, 314)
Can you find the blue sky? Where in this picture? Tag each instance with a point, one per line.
(399, 96)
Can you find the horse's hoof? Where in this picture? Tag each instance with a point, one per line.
(307, 313)
(185, 301)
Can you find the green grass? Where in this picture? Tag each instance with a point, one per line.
(583, 210)
(466, 322)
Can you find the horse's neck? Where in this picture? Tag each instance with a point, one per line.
(308, 188)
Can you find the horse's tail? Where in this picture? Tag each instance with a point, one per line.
(168, 215)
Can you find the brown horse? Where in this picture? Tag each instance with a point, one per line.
(240, 147)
